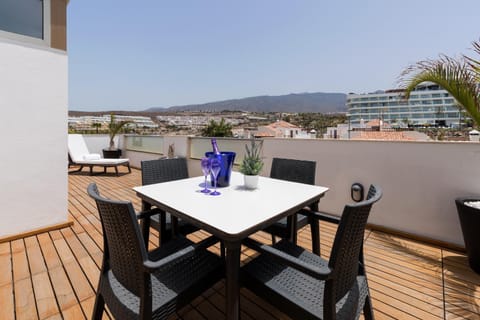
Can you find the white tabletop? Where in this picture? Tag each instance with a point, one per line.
(236, 210)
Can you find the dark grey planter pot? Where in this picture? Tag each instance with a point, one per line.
(470, 223)
(112, 154)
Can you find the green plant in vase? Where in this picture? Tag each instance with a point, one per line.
(252, 163)
(114, 128)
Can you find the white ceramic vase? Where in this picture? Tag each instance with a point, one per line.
(250, 182)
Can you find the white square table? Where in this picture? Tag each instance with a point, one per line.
(233, 215)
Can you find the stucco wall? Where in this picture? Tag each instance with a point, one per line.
(180, 145)
(33, 108)
(420, 180)
(97, 142)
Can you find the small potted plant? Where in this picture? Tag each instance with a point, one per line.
(114, 127)
(252, 163)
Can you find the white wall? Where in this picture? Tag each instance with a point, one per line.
(97, 142)
(181, 147)
(420, 180)
(33, 153)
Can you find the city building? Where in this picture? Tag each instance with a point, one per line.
(282, 129)
(429, 105)
(373, 130)
(196, 122)
(86, 122)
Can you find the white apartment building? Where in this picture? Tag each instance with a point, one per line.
(137, 121)
(85, 122)
(428, 105)
(196, 121)
(283, 129)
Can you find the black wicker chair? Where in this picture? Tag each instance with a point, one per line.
(136, 284)
(163, 170)
(301, 171)
(306, 286)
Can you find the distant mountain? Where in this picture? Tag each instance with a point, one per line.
(295, 102)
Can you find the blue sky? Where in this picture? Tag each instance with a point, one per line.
(132, 55)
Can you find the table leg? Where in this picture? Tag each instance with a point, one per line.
(232, 280)
(292, 225)
(174, 223)
(163, 236)
(145, 224)
(315, 230)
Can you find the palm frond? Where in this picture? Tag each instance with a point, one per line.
(114, 128)
(457, 77)
(475, 64)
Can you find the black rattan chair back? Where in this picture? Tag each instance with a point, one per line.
(163, 170)
(124, 251)
(347, 246)
(302, 171)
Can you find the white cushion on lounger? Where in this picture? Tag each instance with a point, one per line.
(92, 156)
(102, 161)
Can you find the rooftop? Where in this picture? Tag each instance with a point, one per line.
(54, 275)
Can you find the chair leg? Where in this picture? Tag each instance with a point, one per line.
(116, 170)
(129, 169)
(98, 308)
(368, 309)
(163, 237)
(222, 250)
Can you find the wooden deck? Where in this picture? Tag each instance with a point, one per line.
(54, 275)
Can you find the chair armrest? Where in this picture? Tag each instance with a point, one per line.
(322, 273)
(150, 266)
(148, 213)
(321, 216)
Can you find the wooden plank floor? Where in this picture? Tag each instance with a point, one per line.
(53, 275)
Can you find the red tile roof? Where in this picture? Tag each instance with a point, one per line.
(282, 124)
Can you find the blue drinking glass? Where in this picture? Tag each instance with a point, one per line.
(215, 166)
(205, 162)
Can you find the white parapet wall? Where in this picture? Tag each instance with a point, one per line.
(33, 109)
(420, 180)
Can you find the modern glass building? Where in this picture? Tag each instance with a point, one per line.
(429, 105)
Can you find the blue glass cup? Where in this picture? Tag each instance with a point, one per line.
(226, 162)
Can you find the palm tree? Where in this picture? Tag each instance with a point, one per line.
(97, 125)
(217, 129)
(114, 127)
(459, 77)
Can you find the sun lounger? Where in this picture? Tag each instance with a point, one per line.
(79, 155)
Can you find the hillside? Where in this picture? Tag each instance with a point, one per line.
(295, 102)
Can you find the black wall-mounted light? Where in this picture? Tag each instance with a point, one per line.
(356, 192)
